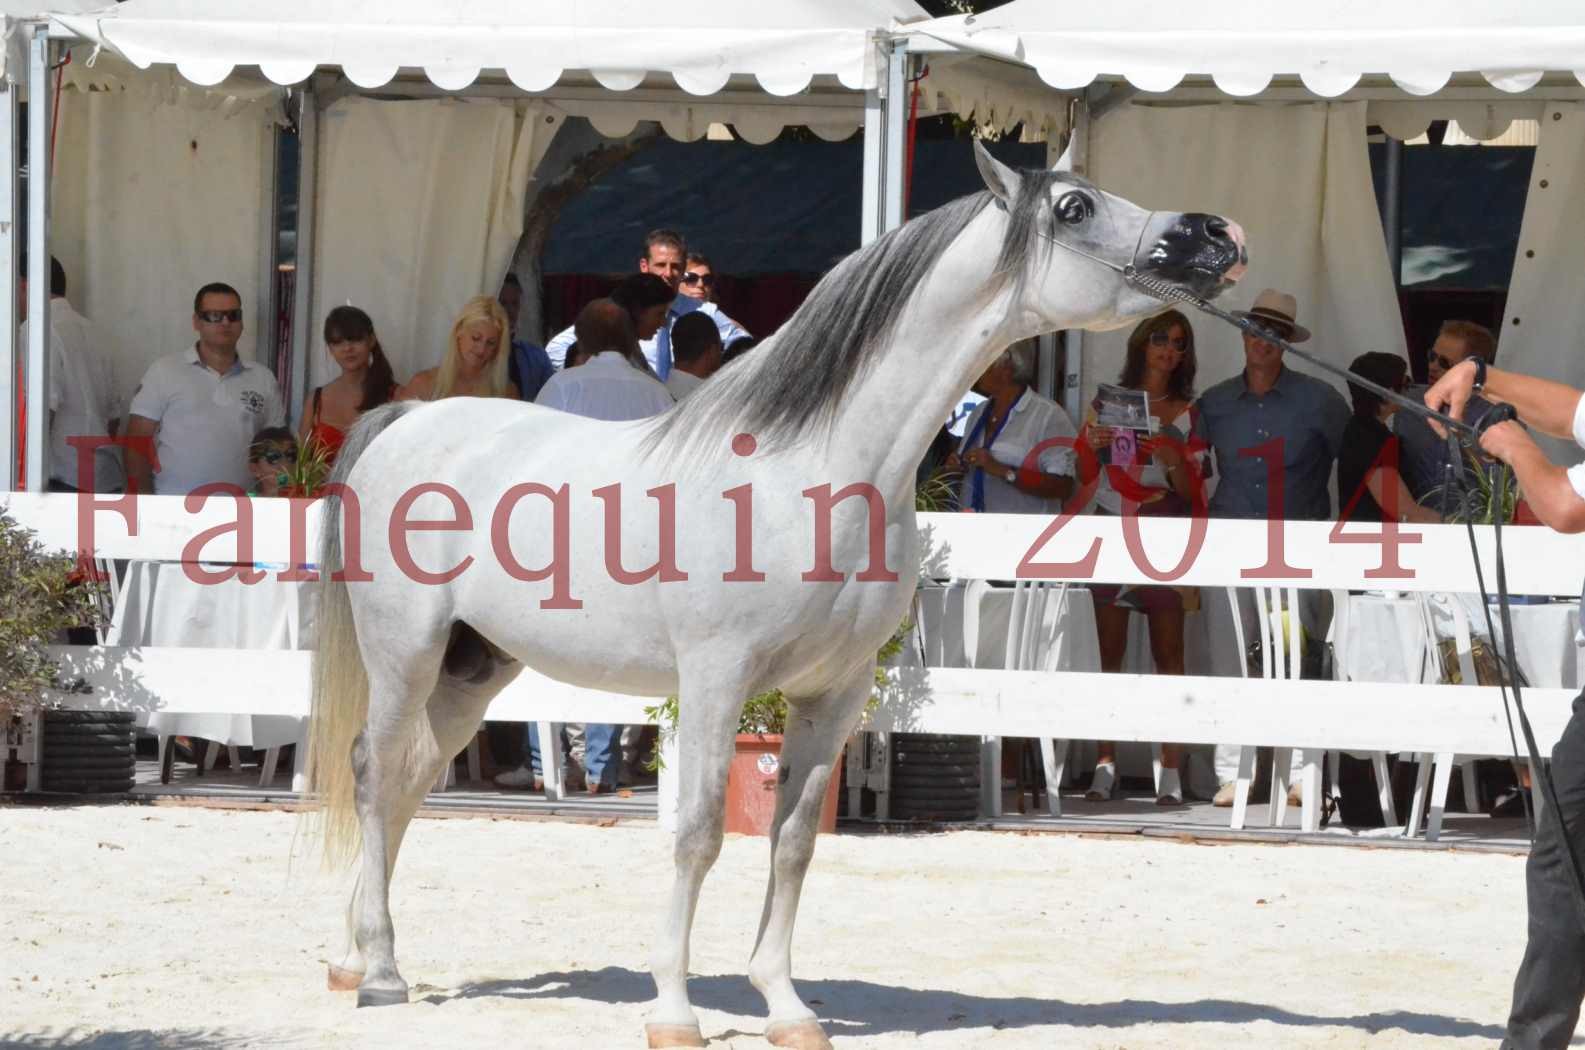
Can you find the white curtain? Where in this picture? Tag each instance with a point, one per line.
(152, 200)
(1546, 313)
(1297, 178)
(420, 208)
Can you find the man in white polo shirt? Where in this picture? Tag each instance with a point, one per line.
(202, 405)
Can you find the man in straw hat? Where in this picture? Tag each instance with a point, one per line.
(1271, 414)
(1276, 434)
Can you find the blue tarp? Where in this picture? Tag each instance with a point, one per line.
(786, 207)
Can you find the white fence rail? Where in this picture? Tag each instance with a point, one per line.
(1323, 715)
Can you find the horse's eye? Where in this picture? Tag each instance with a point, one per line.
(1073, 208)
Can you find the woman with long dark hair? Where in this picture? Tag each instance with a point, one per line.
(365, 382)
(1161, 481)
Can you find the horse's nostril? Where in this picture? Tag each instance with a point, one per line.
(1216, 227)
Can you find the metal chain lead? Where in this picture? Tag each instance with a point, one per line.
(1173, 293)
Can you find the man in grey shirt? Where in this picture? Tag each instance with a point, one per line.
(1276, 432)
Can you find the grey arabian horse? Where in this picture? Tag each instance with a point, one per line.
(770, 520)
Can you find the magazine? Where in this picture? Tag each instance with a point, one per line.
(1119, 407)
(1127, 413)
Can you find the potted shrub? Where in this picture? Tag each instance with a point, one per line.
(42, 595)
(752, 777)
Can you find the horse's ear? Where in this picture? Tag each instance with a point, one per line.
(999, 178)
(1065, 162)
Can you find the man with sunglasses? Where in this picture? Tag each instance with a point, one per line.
(666, 256)
(202, 406)
(1424, 455)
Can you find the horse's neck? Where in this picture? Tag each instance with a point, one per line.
(951, 331)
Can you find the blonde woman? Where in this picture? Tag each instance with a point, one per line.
(476, 358)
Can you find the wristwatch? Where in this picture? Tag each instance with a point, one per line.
(1480, 373)
(1011, 477)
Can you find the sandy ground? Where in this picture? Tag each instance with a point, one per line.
(180, 927)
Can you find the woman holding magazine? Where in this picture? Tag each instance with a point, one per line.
(1146, 471)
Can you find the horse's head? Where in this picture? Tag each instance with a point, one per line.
(1092, 237)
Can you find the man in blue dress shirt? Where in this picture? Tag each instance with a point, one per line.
(665, 256)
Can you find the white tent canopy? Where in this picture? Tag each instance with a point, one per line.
(1243, 44)
(783, 45)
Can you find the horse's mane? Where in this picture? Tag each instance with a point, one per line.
(792, 382)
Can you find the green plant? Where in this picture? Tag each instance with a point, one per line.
(767, 712)
(308, 471)
(41, 595)
(1488, 493)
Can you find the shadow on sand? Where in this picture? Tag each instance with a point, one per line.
(860, 1008)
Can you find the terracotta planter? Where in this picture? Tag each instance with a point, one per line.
(751, 787)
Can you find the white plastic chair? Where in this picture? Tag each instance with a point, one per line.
(1338, 636)
(1275, 648)
(1443, 762)
(1029, 646)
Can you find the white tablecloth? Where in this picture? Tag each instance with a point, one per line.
(159, 605)
(1385, 640)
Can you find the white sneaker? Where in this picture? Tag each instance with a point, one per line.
(520, 779)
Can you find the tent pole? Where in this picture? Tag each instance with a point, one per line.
(267, 328)
(10, 114)
(1072, 391)
(38, 275)
(885, 135)
(896, 133)
(1391, 212)
(303, 279)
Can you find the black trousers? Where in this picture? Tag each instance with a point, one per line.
(1548, 991)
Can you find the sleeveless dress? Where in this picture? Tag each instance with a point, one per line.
(328, 438)
(1148, 488)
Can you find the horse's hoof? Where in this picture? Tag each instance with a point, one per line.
(797, 1035)
(673, 1035)
(341, 979)
(382, 996)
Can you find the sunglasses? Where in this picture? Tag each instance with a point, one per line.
(220, 316)
(1161, 338)
(1441, 359)
(273, 456)
(706, 279)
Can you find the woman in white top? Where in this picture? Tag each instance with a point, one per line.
(1160, 482)
(999, 475)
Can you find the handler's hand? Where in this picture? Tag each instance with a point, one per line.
(1504, 440)
(1450, 394)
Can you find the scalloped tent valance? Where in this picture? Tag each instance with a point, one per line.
(1243, 44)
(700, 45)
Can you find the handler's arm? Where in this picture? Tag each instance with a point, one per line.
(1547, 406)
(1552, 492)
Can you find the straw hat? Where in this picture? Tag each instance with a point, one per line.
(1277, 309)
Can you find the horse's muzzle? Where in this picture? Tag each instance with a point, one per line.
(1204, 253)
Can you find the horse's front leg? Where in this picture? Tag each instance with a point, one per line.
(816, 731)
(710, 704)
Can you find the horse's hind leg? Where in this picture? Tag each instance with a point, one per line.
(393, 786)
(813, 741)
(707, 723)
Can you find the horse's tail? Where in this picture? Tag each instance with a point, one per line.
(341, 682)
